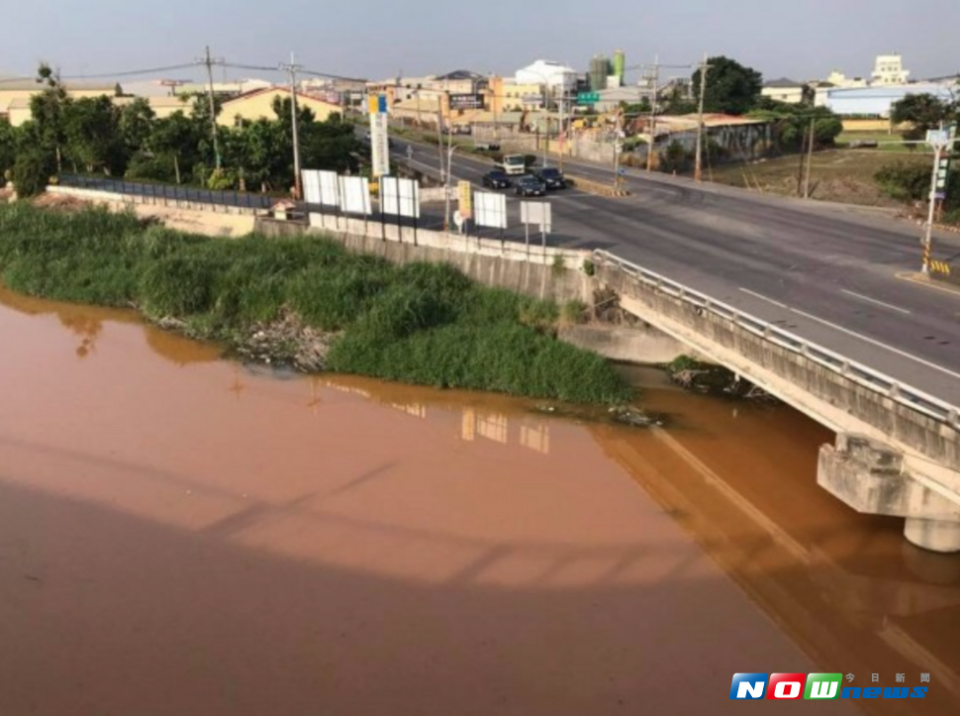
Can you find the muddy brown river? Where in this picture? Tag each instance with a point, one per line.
(182, 535)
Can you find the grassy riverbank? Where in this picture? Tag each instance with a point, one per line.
(425, 324)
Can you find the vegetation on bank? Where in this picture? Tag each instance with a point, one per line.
(426, 324)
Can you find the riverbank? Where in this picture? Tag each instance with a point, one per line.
(307, 302)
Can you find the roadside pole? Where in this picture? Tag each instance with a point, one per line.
(209, 62)
(806, 177)
(698, 162)
(653, 114)
(938, 146)
(292, 69)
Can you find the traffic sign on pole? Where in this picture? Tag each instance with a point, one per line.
(588, 97)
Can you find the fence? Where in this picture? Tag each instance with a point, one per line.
(891, 388)
(168, 193)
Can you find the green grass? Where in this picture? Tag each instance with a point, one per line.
(422, 323)
(886, 142)
(840, 175)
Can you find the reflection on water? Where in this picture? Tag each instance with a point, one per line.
(238, 544)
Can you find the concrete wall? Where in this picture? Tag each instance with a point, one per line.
(484, 260)
(646, 346)
(206, 219)
(931, 448)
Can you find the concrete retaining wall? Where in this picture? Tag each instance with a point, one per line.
(931, 448)
(484, 260)
(646, 346)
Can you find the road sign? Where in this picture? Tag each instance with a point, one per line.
(379, 138)
(537, 213)
(465, 191)
(588, 98)
(938, 137)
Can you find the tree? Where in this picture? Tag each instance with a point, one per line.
(91, 126)
(136, 124)
(731, 87)
(923, 112)
(177, 137)
(8, 148)
(47, 109)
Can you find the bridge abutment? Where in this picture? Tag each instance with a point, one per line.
(870, 477)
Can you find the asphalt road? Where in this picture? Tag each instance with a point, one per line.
(830, 274)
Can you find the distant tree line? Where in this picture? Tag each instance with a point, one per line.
(96, 136)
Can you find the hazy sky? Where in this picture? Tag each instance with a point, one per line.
(377, 38)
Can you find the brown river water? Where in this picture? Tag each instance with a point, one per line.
(181, 535)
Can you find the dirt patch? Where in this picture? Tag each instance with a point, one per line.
(60, 202)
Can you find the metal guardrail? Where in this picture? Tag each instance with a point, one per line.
(168, 192)
(897, 391)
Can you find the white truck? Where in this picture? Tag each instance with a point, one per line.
(513, 164)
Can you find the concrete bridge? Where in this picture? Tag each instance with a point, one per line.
(898, 448)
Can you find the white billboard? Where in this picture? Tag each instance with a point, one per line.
(355, 195)
(490, 209)
(380, 144)
(321, 188)
(400, 197)
(537, 213)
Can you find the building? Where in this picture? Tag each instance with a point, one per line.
(838, 79)
(613, 97)
(505, 94)
(889, 71)
(15, 95)
(162, 107)
(784, 90)
(258, 104)
(557, 77)
(876, 101)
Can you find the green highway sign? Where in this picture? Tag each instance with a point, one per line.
(588, 98)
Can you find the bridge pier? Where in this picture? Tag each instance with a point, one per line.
(870, 477)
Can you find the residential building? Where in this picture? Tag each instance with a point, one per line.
(889, 71)
(258, 104)
(15, 95)
(505, 94)
(838, 79)
(784, 90)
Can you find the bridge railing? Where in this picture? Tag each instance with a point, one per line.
(892, 388)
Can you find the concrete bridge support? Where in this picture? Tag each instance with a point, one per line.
(870, 477)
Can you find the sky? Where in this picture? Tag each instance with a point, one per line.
(381, 38)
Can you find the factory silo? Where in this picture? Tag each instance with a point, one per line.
(599, 70)
(619, 65)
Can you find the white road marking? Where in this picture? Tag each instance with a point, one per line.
(764, 298)
(854, 333)
(877, 343)
(873, 300)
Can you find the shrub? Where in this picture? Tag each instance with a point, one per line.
(904, 181)
(32, 171)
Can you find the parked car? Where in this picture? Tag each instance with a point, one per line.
(552, 178)
(497, 179)
(531, 186)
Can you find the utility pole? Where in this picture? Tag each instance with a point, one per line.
(562, 133)
(653, 114)
(450, 148)
(210, 62)
(616, 149)
(292, 68)
(806, 178)
(698, 162)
